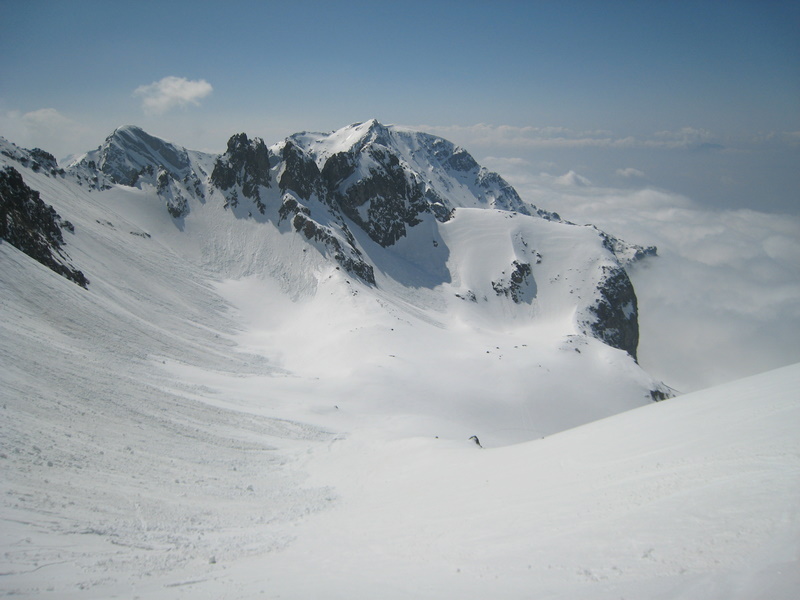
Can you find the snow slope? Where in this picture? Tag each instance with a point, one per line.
(151, 485)
(695, 497)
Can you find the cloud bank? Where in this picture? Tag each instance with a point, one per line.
(170, 92)
(45, 128)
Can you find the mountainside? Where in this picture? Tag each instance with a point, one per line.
(369, 184)
(389, 253)
(408, 226)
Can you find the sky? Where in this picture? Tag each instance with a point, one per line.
(699, 97)
(671, 123)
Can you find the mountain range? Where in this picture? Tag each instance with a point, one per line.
(367, 196)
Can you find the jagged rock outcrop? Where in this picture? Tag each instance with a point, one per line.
(519, 285)
(625, 252)
(129, 151)
(38, 160)
(244, 168)
(33, 227)
(371, 181)
(384, 201)
(300, 172)
(347, 255)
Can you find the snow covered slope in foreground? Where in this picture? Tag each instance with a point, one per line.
(696, 497)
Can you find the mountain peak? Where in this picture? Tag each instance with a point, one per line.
(130, 151)
(129, 130)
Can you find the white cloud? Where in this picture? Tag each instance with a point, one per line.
(170, 92)
(790, 139)
(630, 173)
(46, 119)
(24, 127)
(685, 135)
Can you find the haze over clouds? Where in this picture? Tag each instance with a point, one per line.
(46, 128)
(564, 137)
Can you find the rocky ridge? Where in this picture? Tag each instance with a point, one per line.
(342, 191)
(34, 227)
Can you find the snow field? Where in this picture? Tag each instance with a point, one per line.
(694, 497)
(225, 414)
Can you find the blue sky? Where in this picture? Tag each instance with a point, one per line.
(699, 97)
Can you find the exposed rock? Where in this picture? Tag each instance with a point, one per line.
(132, 157)
(625, 252)
(615, 313)
(662, 392)
(33, 227)
(177, 204)
(244, 166)
(290, 207)
(383, 201)
(43, 161)
(461, 160)
(519, 286)
(129, 150)
(300, 172)
(36, 159)
(350, 261)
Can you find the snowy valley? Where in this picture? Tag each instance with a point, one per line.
(262, 377)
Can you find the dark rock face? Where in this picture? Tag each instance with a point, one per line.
(461, 160)
(616, 312)
(661, 393)
(245, 164)
(33, 227)
(383, 203)
(348, 256)
(300, 172)
(625, 252)
(43, 161)
(517, 284)
(314, 231)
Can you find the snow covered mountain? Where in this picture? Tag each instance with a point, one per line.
(281, 348)
(369, 184)
(412, 221)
